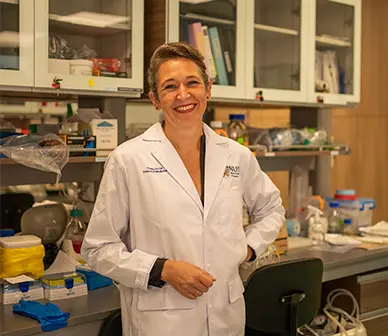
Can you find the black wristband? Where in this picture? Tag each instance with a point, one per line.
(253, 255)
(156, 273)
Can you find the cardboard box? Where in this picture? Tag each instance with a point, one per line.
(106, 132)
(78, 142)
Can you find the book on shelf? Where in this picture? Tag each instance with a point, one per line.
(209, 59)
(218, 56)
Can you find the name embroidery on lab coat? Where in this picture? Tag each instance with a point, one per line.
(232, 171)
(154, 170)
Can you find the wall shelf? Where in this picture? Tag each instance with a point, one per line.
(325, 40)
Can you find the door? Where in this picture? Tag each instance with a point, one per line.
(337, 52)
(217, 29)
(277, 49)
(90, 46)
(16, 44)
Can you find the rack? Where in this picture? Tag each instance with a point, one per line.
(325, 40)
(59, 26)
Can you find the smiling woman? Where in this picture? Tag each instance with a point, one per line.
(179, 84)
(167, 223)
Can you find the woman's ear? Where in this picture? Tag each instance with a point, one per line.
(209, 89)
(154, 100)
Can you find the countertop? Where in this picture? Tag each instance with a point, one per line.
(97, 305)
(340, 265)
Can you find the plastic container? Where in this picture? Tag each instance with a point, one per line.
(360, 210)
(335, 221)
(346, 194)
(237, 129)
(94, 280)
(81, 67)
(20, 255)
(317, 228)
(59, 66)
(349, 227)
(218, 127)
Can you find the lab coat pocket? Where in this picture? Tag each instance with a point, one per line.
(166, 298)
(231, 215)
(236, 289)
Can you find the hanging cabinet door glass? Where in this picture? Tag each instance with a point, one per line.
(16, 43)
(276, 50)
(216, 28)
(90, 45)
(337, 52)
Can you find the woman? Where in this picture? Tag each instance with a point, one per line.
(167, 223)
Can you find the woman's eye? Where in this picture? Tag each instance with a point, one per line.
(169, 87)
(193, 82)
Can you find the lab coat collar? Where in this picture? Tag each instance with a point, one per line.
(217, 155)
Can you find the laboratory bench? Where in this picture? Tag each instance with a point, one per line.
(88, 312)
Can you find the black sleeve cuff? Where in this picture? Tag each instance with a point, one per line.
(156, 273)
(253, 258)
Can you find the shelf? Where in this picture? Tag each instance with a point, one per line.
(192, 16)
(12, 2)
(78, 169)
(59, 26)
(276, 30)
(298, 153)
(326, 40)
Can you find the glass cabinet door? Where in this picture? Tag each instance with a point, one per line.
(16, 43)
(91, 45)
(275, 30)
(337, 51)
(215, 29)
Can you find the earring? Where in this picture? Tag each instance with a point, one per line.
(157, 107)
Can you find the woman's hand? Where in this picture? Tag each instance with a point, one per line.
(249, 254)
(188, 279)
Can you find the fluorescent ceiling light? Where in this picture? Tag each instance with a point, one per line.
(92, 19)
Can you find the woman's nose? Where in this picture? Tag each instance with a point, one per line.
(183, 93)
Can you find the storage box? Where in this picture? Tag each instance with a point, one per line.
(94, 280)
(64, 286)
(78, 142)
(106, 132)
(12, 292)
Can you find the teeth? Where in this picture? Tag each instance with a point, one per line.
(185, 108)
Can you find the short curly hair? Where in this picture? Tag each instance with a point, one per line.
(170, 51)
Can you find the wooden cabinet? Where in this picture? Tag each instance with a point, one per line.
(16, 44)
(292, 51)
(84, 47)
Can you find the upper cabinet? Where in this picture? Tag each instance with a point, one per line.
(217, 29)
(92, 46)
(277, 49)
(337, 49)
(16, 43)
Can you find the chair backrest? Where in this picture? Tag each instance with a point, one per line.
(112, 325)
(267, 285)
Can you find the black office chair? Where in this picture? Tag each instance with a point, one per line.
(281, 297)
(112, 325)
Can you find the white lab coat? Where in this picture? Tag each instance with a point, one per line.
(148, 207)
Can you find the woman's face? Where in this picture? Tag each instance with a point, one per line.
(182, 92)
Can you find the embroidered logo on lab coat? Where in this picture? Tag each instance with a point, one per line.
(232, 171)
(155, 170)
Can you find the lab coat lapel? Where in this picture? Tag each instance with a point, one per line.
(169, 158)
(217, 156)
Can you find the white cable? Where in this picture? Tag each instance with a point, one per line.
(311, 330)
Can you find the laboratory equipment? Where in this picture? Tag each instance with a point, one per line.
(316, 226)
(218, 127)
(21, 255)
(93, 279)
(64, 286)
(12, 290)
(335, 222)
(237, 130)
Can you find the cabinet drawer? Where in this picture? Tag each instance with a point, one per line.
(370, 290)
(377, 326)
(373, 291)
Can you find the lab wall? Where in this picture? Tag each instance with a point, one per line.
(365, 128)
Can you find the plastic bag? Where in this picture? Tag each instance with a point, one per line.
(48, 153)
(17, 261)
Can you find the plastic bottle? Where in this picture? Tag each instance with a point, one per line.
(336, 224)
(217, 127)
(237, 129)
(316, 227)
(348, 227)
(75, 230)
